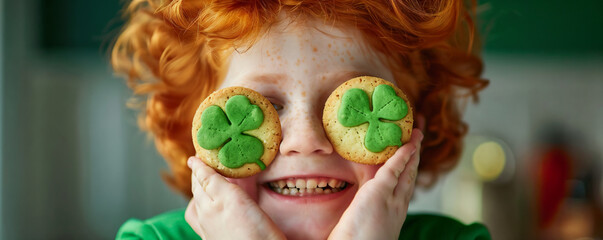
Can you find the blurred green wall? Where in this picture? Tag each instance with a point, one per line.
(534, 26)
(542, 26)
(78, 24)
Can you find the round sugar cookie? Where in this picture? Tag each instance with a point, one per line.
(236, 131)
(367, 119)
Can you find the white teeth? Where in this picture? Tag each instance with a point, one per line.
(333, 183)
(300, 183)
(322, 183)
(282, 183)
(290, 183)
(305, 187)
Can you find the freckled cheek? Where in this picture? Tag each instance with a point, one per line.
(324, 61)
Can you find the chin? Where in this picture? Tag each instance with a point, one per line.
(317, 226)
(305, 234)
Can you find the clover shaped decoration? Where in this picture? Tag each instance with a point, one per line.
(226, 130)
(386, 105)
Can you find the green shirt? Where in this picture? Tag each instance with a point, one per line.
(171, 225)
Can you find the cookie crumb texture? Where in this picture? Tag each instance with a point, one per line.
(349, 142)
(268, 133)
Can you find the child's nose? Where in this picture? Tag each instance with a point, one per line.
(304, 136)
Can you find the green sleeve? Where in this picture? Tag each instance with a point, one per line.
(428, 226)
(170, 225)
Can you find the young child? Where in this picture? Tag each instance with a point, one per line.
(174, 53)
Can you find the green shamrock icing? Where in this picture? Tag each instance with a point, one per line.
(355, 110)
(219, 128)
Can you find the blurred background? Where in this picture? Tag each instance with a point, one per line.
(73, 164)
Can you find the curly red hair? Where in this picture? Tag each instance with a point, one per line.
(173, 54)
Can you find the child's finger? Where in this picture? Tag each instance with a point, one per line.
(212, 184)
(388, 175)
(406, 182)
(198, 187)
(191, 215)
(209, 181)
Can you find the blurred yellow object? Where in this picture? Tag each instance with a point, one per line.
(489, 160)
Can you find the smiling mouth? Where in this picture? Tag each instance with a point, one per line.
(307, 186)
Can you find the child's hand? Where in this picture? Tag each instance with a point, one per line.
(379, 208)
(222, 210)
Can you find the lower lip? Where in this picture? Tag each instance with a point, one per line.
(307, 198)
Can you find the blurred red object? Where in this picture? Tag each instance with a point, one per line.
(553, 172)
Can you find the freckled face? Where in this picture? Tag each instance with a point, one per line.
(297, 67)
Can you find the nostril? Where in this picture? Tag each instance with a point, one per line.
(292, 152)
(321, 151)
